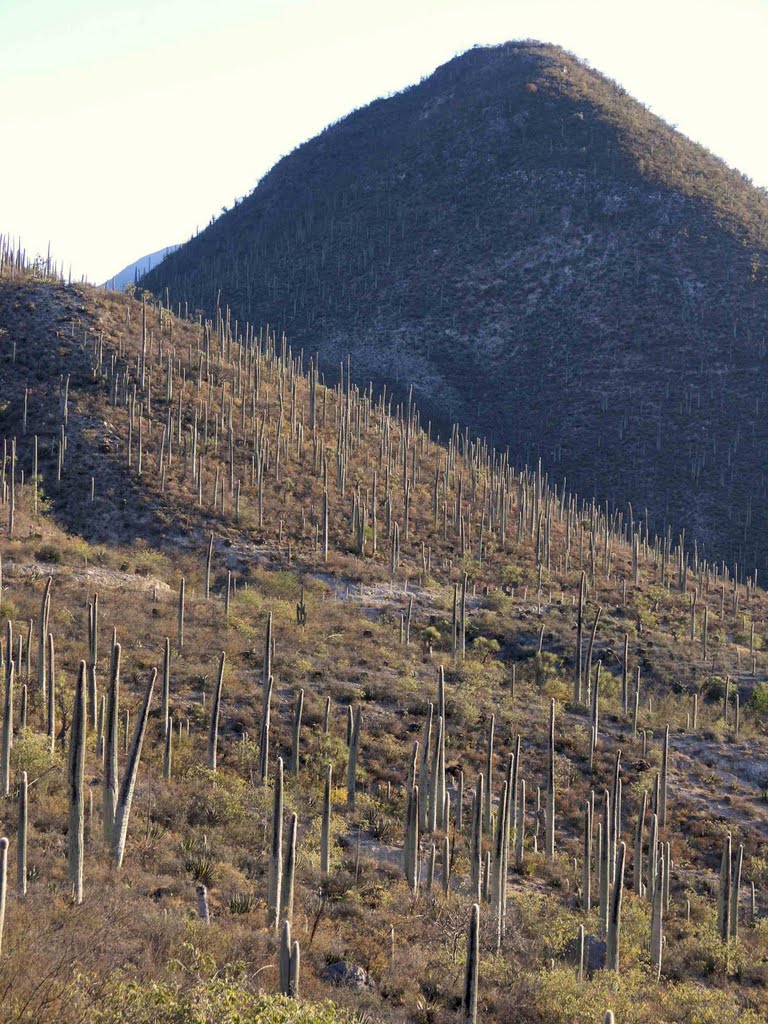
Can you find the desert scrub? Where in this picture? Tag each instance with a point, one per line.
(218, 1000)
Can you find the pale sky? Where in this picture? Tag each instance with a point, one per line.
(126, 125)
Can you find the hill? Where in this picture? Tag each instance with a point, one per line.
(388, 626)
(542, 259)
(137, 269)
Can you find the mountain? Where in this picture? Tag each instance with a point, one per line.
(137, 269)
(334, 674)
(541, 258)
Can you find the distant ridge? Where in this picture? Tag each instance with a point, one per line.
(137, 269)
(543, 259)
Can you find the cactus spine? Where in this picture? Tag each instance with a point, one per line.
(76, 787)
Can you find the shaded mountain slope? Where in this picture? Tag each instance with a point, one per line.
(543, 259)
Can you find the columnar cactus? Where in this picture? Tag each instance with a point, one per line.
(499, 878)
(168, 750)
(203, 910)
(724, 893)
(735, 890)
(7, 739)
(446, 865)
(637, 866)
(657, 917)
(605, 865)
(109, 801)
(213, 730)
(51, 694)
(614, 921)
(520, 828)
(325, 831)
(21, 849)
(3, 885)
(489, 776)
(289, 872)
(476, 841)
(296, 738)
(411, 852)
(264, 733)
(45, 606)
(275, 878)
(165, 699)
(550, 836)
(354, 746)
(125, 800)
(180, 615)
(471, 975)
(289, 962)
(662, 810)
(76, 789)
(586, 868)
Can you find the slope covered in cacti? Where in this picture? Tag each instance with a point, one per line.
(545, 261)
(306, 687)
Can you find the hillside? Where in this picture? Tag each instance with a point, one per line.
(137, 269)
(321, 587)
(542, 259)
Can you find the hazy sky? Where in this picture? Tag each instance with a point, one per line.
(125, 126)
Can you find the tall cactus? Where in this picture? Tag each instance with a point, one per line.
(125, 799)
(109, 803)
(724, 893)
(51, 694)
(296, 736)
(472, 970)
(614, 922)
(165, 699)
(7, 740)
(289, 872)
(354, 746)
(274, 882)
(21, 848)
(411, 852)
(3, 885)
(325, 830)
(586, 869)
(663, 780)
(76, 788)
(213, 730)
(264, 733)
(550, 835)
(476, 842)
(45, 606)
(657, 916)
